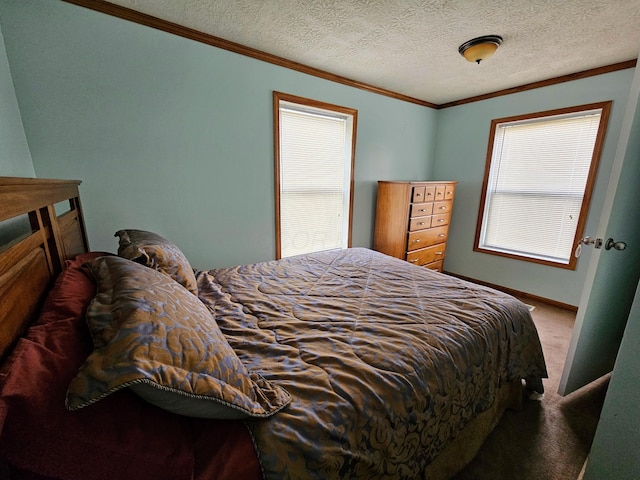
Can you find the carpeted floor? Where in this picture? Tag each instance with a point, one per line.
(550, 438)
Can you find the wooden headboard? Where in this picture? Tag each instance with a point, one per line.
(30, 262)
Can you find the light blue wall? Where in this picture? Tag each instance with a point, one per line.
(15, 159)
(177, 137)
(461, 149)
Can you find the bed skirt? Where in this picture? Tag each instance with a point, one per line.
(468, 442)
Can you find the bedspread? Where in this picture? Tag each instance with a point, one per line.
(386, 362)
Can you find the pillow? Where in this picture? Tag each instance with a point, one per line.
(122, 437)
(156, 252)
(152, 335)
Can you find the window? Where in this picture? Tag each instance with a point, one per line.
(314, 159)
(538, 180)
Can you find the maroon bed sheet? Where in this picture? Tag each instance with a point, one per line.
(120, 437)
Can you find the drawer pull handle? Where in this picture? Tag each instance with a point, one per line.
(429, 193)
(418, 194)
(441, 235)
(413, 261)
(443, 208)
(441, 220)
(416, 241)
(423, 209)
(421, 223)
(438, 253)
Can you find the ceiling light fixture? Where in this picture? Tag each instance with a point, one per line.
(480, 48)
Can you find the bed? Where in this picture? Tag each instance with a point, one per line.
(335, 365)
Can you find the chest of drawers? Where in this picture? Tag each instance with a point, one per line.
(412, 221)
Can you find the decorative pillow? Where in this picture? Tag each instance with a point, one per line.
(152, 335)
(154, 251)
(121, 437)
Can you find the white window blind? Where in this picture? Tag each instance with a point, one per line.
(315, 178)
(536, 185)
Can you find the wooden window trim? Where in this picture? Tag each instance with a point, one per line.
(277, 98)
(591, 179)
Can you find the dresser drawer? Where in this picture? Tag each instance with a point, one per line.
(425, 238)
(429, 193)
(417, 195)
(428, 255)
(419, 223)
(442, 207)
(421, 209)
(437, 266)
(449, 191)
(440, 220)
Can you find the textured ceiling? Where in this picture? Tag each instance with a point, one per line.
(411, 46)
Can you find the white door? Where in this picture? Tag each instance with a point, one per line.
(613, 274)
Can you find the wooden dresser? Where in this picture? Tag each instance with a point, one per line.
(412, 221)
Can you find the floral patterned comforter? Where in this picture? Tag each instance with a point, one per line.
(386, 362)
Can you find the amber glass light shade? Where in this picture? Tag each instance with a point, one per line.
(480, 48)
